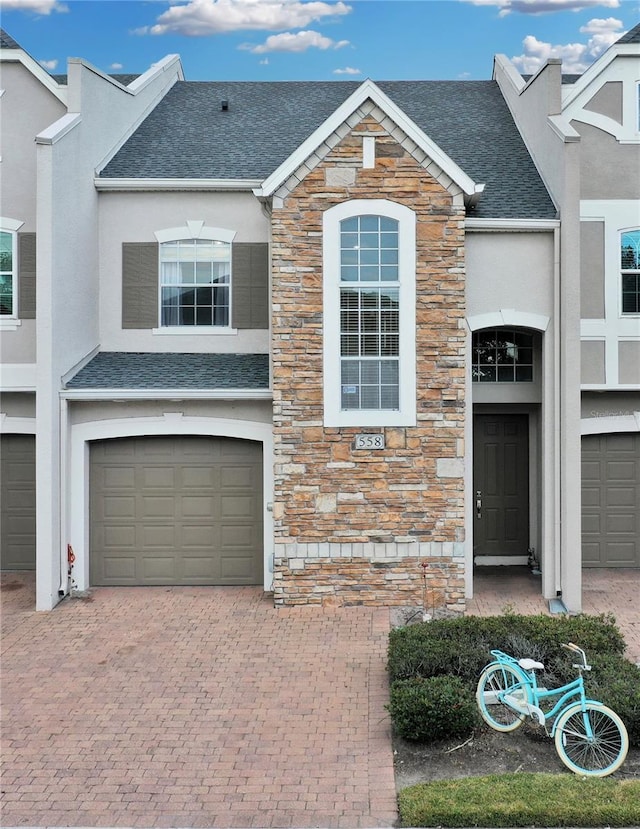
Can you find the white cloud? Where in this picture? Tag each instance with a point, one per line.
(575, 57)
(49, 65)
(116, 67)
(543, 6)
(348, 70)
(264, 62)
(294, 42)
(209, 17)
(35, 6)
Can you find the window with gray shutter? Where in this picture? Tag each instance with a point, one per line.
(27, 276)
(139, 285)
(250, 285)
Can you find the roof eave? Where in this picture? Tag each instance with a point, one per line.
(151, 184)
(164, 394)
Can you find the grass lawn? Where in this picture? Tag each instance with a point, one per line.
(522, 800)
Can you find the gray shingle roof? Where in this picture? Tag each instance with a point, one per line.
(123, 78)
(133, 370)
(188, 136)
(632, 36)
(7, 42)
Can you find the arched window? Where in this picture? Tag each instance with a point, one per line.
(630, 269)
(369, 314)
(502, 355)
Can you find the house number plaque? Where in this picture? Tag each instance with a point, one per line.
(364, 441)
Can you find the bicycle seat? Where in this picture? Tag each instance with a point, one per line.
(531, 665)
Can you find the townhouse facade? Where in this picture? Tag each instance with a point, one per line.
(347, 341)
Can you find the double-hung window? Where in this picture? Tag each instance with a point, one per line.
(369, 314)
(630, 268)
(195, 276)
(7, 273)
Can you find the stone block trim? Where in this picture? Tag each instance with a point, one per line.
(325, 491)
(436, 584)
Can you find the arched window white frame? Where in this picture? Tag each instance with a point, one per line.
(9, 268)
(630, 271)
(195, 276)
(369, 280)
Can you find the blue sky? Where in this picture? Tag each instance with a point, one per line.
(318, 39)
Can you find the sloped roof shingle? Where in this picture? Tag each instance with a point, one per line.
(189, 136)
(137, 370)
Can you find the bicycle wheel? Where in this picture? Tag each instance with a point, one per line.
(494, 681)
(600, 755)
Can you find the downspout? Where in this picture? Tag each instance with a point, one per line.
(557, 406)
(63, 562)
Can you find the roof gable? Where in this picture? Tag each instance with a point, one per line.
(370, 92)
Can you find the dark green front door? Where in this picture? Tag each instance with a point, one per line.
(501, 484)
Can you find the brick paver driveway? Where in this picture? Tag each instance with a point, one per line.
(193, 707)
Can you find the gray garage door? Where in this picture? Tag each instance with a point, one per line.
(611, 500)
(17, 502)
(176, 511)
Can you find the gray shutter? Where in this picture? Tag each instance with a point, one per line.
(27, 276)
(140, 277)
(250, 285)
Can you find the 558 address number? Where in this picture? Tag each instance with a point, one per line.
(369, 442)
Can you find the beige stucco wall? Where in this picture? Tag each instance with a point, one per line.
(134, 217)
(610, 404)
(18, 404)
(26, 108)
(259, 411)
(510, 271)
(593, 369)
(592, 270)
(608, 169)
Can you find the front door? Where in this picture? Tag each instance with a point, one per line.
(501, 486)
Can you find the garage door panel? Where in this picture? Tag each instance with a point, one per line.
(119, 507)
(194, 515)
(611, 500)
(17, 502)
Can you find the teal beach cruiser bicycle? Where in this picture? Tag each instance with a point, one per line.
(590, 738)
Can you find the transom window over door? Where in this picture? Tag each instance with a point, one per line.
(369, 261)
(195, 278)
(369, 313)
(630, 267)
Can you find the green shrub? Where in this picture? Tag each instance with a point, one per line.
(432, 709)
(616, 682)
(461, 647)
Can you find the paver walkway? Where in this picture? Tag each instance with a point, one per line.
(193, 707)
(206, 707)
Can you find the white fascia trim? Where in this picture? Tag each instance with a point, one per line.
(59, 129)
(17, 377)
(368, 90)
(507, 317)
(516, 225)
(17, 425)
(166, 64)
(510, 72)
(217, 184)
(609, 424)
(166, 394)
(617, 50)
(10, 224)
(19, 56)
(563, 129)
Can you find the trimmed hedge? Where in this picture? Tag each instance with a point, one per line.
(432, 709)
(461, 647)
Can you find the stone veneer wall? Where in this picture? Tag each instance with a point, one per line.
(351, 526)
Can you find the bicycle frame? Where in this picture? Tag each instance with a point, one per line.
(572, 690)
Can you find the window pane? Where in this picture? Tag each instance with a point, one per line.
(502, 355)
(350, 371)
(6, 252)
(6, 295)
(630, 250)
(368, 223)
(188, 263)
(369, 397)
(349, 224)
(390, 397)
(370, 371)
(388, 224)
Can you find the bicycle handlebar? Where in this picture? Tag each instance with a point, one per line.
(570, 646)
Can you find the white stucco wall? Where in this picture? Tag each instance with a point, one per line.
(101, 115)
(134, 217)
